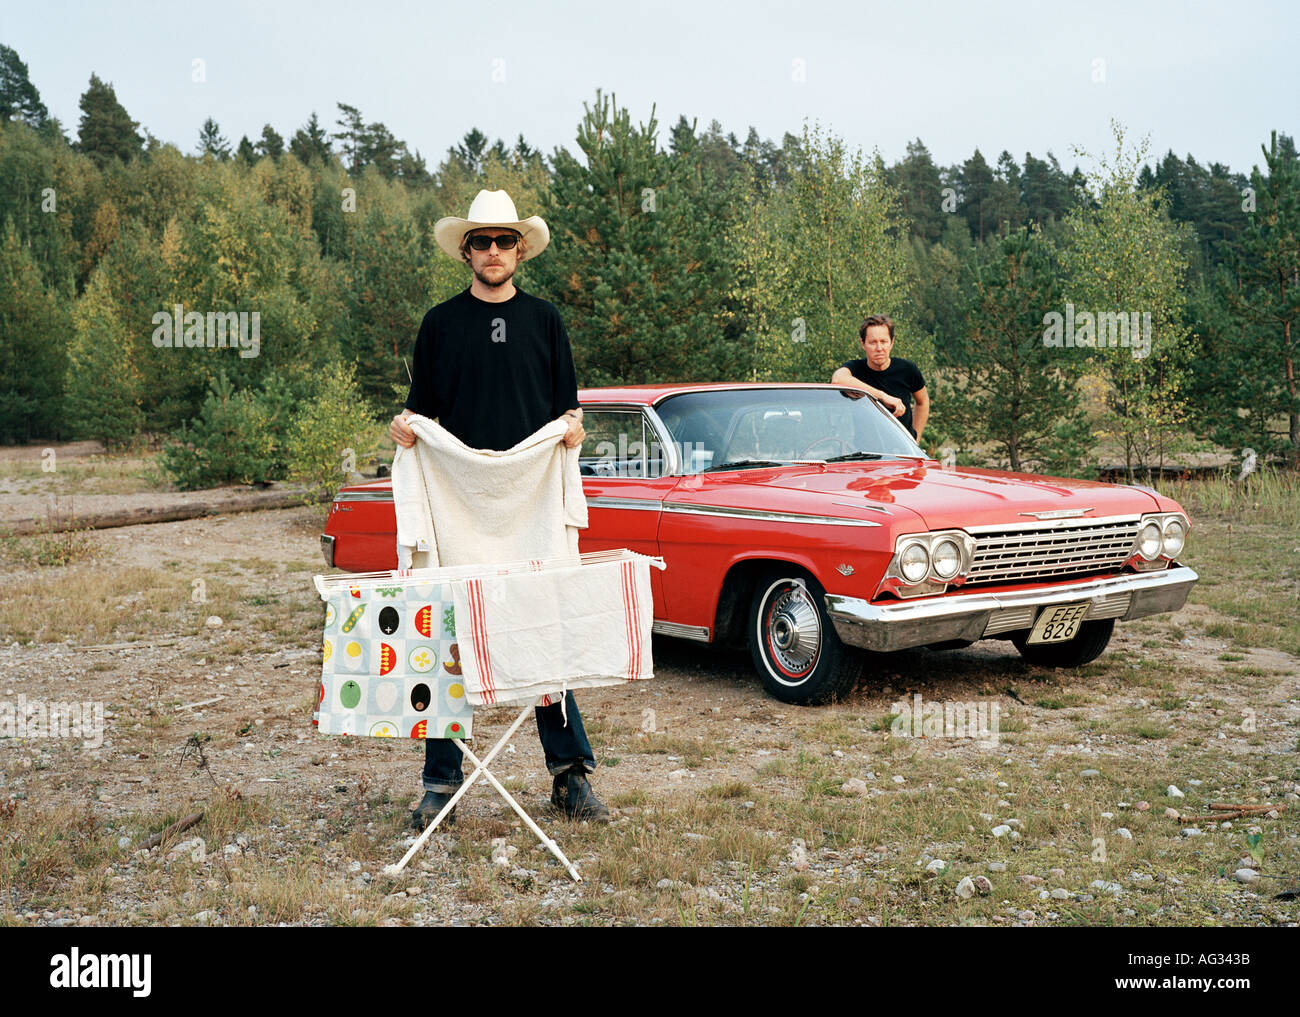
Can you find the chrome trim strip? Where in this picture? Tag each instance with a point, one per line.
(863, 505)
(1050, 524)
(364, 496)
(897, 626)
(698, 633)
(776, 517)
(1058, 513)
(633, 504)
(327, 549)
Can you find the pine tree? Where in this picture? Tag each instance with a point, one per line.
(212, 142)
(271, 144)
(1267, 294)
(107, 132)
(640, 256)
(19, 98)
(1011, 389)
(311, 141)
(34, 331)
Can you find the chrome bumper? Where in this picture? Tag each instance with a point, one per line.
(327, 549)
(899, 625)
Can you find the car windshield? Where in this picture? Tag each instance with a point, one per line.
(736, 428)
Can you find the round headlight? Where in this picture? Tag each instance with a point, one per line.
(1149, 541)
(946, 558)
(914, 562)
(1175, 535)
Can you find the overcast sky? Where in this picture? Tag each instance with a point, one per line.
(1211, 79)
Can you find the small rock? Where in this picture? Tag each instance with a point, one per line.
(1142, 806)
(679, 774)
(1089, 773)
(854, 786)
(1030, 880)
(1173, 792)
(1000, 831)
(982, 886)
(1172, 813)
(1056, 873)
(966, 888)
(1105, 886)
(213, 622)
(936, 867)
(124, 842)
(1191, 831)
(1246, 876)
(667, 884)
(997, 866)
(799, 856)
(204, 918)
(898, 778)
(1060, 893)
(1123, 833)
(1025, 916)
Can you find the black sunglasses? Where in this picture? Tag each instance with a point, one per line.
(505, 242)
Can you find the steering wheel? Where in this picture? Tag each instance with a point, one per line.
(844, 448)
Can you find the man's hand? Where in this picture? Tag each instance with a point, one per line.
(892, 403)
(401, 433)
(576, 434)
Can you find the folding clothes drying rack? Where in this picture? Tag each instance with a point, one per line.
(392, 667)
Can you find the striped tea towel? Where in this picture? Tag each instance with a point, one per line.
(533, 633)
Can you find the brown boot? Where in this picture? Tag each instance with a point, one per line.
(572, 796)
(427, 811)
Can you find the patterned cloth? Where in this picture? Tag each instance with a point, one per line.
(392, 663)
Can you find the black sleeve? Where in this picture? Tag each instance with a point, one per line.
(917, 381)
(564, 381)
(421, 399)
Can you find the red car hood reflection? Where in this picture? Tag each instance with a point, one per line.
(948, 498)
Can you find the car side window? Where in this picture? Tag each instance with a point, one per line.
(619, 443)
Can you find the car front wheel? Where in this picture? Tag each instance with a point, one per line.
(794, 645)
(1086, 646)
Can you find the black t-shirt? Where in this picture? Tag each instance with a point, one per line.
(901, 378)
(492, 374)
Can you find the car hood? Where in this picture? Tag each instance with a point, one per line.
(942, 497)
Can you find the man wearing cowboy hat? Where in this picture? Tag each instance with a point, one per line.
(493, 365)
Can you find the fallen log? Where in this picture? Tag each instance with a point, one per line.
(237, 502)
(176, 827)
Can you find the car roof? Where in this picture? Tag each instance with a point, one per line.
(649, 395)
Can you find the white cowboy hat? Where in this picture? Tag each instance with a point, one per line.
(492, 208)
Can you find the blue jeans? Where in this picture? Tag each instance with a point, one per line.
(565, 746)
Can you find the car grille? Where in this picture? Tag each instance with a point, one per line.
(1030, 554)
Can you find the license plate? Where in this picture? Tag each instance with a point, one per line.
(1060, 623)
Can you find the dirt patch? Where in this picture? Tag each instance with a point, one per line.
(729, 806)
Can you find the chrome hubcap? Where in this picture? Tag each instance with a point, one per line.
(795, 631)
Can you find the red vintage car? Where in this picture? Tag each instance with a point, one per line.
(805, 521)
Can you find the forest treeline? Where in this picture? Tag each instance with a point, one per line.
(1126, 306)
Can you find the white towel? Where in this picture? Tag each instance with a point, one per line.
(457, 505)
(528, 634)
